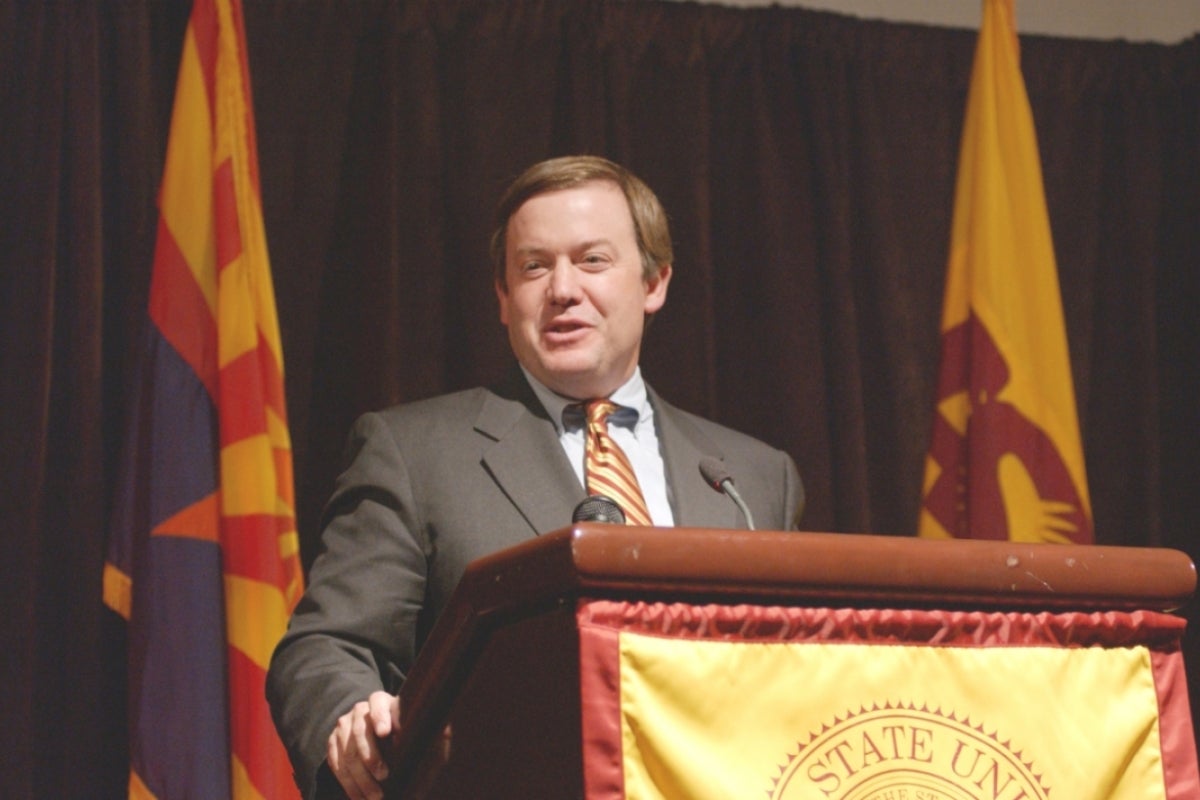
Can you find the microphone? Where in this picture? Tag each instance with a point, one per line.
(598, 508)
(715, 475)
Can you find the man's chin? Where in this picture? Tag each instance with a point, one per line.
(574, 378)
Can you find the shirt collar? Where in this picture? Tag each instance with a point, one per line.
(631, 396)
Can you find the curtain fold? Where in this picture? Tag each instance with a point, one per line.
(807, 163)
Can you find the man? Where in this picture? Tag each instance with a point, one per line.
(582, 258)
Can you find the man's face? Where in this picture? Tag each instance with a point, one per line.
(575, 301)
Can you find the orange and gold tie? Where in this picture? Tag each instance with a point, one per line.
(608, 469)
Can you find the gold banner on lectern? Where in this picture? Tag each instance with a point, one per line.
(791, 704)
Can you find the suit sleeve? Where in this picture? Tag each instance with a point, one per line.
(354, 631)
(774, 489)
(793, 495)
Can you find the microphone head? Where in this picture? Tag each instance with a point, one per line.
(598, 508)
(714, 472)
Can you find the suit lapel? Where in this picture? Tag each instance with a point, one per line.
(694, 502)
(527, 460)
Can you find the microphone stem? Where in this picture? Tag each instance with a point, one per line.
(730, 490)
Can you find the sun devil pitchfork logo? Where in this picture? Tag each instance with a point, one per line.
(1002, 476)
(899, 752)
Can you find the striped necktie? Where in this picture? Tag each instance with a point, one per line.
(607, 467)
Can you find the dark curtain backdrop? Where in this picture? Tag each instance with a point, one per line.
(807, 161)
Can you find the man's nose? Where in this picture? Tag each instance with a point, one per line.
(564, 283)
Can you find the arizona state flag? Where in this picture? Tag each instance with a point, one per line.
(1005, 459)
(203, 553)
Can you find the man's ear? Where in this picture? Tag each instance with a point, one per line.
(656, 289)
(502, 299)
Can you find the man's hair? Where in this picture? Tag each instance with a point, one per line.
(568, 172)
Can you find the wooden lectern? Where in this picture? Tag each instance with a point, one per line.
(494, 706)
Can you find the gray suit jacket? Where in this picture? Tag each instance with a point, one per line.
(429, 487)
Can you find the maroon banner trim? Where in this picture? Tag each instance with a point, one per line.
(1181, 775)
(600, 712)
(883, 626)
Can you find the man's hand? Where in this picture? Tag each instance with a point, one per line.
(353, 752)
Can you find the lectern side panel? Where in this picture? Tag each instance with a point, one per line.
(514, 724)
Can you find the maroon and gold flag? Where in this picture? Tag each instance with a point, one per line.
(203, 558)
(1005, 459)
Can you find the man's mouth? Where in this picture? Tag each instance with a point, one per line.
(564, 330)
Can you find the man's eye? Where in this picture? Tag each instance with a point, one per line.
(595, 259)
